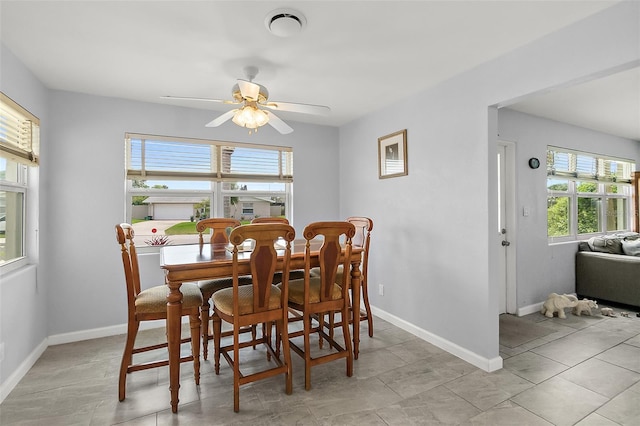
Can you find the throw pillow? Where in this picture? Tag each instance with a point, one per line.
(631, 248)
(606, 244)
(631, 236)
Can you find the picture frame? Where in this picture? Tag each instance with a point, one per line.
(392, 155)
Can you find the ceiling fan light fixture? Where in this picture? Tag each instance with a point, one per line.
(285, 22)
(250, 117)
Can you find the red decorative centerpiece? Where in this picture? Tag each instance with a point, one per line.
(157, 240)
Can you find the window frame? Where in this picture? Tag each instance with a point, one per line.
(19, 146)
(218, 181)
(574, 177)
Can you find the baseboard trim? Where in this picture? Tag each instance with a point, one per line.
(96, 333)
(487, 364)
(526, 310)
(12, 381)
(59, 339)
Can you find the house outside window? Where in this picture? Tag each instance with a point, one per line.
(174, 182)
(19, 150)
(587, 195)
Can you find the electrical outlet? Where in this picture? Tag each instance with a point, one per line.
(381, 290)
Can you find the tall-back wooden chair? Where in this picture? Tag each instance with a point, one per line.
(314, 295)
(364, 226)
(219, 239)
(277, 278)
(258, 303)
(149, 305)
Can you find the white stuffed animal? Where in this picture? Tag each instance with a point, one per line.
(607, 312)
(584, 305)
(556, 303)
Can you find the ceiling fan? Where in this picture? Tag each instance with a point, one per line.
(254, 106)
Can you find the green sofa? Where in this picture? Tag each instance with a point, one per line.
(608, 269)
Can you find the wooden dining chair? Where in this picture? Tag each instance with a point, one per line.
(277, 278)
(258, 303)
(149, 305)
(313, 296)
(362, 238)
(219, 239)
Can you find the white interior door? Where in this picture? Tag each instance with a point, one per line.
(506, 227)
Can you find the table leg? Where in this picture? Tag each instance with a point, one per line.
(355, 309)
(174, 318)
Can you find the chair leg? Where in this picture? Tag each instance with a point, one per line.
(347, 340)
(332, 323)
(320, 328)
(194, 321)
(281, 331)
(204, 315)
(236, 369)
(217, 331)
(127, 357)
(307, 351)
(367, 307)
(266, 335)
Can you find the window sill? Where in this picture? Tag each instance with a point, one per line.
(14, 266)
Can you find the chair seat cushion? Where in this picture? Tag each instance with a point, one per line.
(296, 291)
(315, 272)
(208, 287)
(223, 299)
(154, 299)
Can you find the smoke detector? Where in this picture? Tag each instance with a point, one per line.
(285, 22)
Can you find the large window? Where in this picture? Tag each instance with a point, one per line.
(19, 149)
(586, 194)
(174, 182)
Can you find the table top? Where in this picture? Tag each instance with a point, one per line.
(207, 256)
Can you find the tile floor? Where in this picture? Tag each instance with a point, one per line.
(580, 370)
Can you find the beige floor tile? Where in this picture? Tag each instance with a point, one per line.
(601, 377)
(559, 401)
(584, 371)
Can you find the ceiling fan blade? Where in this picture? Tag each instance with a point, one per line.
(249, 90)
(185, 98)
(222, 118)
(278, 124)
(294, 107)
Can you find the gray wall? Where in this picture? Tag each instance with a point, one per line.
(88, 133)
(544, 268)
(438, 259)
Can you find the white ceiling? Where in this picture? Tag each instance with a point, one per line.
(353, 56)
(610, 104)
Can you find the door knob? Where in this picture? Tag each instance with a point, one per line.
(505, 243)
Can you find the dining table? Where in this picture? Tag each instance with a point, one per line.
(195, 262)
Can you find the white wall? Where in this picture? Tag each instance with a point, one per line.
(437, 259)
(544, 268)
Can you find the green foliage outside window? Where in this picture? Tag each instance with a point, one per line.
(557, 216)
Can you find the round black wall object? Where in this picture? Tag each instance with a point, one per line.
(534, 163)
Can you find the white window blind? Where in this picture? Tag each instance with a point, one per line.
(588, 167)
(159, 157)
(19, 132)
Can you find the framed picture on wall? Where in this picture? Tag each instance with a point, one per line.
(392, 155)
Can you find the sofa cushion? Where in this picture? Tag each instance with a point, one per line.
(631, 247)
(606, 244)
